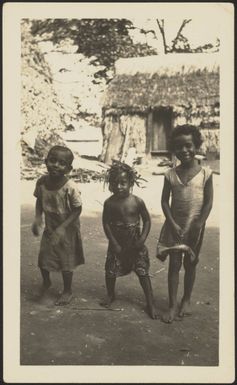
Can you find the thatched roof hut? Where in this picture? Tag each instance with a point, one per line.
(149, 95)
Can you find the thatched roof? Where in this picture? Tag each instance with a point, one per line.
(167, 80)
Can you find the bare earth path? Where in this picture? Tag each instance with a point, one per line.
(83, 333)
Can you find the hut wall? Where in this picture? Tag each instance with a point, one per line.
(149, 133)
(207, 119)
(211, 141)
(122, 132)
(134, 130)
(113, 139)
(107, 127)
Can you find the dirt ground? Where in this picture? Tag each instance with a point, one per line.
(83, 333)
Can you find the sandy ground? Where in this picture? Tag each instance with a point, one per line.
(83, 333)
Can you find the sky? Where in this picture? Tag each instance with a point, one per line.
(199, 31)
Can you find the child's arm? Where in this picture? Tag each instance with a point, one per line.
(167, 212)
(59, 233)
(106, 220)
(75, 203)
(146, 224)
(38, 217)
(207, 206)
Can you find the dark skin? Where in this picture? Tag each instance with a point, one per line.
(124, 207)
(185, 151)
(58, 166)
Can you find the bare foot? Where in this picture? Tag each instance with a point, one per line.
(43, 292)
(64, 299)
(44, 288)
(185, 309)
(170, 316)
(152, 313)
(107, 301)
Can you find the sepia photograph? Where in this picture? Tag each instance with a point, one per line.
(121, 146)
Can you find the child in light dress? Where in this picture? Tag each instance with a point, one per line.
(58, 198)
(127, 252)
(190, 188)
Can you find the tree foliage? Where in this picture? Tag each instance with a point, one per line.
(106, 39)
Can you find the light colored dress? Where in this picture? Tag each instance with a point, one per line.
(186, 205)
(57, 206)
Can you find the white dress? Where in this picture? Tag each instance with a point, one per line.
(186, 205)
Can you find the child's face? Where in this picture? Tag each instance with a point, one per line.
(121, 186)
(57, 163)
(184, 148)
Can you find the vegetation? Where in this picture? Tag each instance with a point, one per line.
(106, 39)
(100, 42)
(41, 113)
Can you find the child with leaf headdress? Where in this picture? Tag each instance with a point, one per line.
(123, 211)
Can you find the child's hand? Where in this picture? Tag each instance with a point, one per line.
(36, 225)
(57, 236)
(117, 248)
(178, 232)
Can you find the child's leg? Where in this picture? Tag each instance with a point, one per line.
(110, 286)
(66, 296)
(175, 264)
(189, 279)
(44, 292)
(46, 279)
(147, 288)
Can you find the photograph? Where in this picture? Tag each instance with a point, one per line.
(118, 137)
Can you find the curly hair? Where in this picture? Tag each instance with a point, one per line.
(62, 149)
(115, 171)
(186, 129)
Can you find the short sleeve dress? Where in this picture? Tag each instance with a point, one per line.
(186, 205)
(57, 206)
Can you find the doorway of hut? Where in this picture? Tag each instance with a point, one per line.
(160, 131)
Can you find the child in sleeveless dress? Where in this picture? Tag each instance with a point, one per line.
(59, 199)
(191, 189)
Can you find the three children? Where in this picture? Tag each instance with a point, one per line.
(190, 186)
